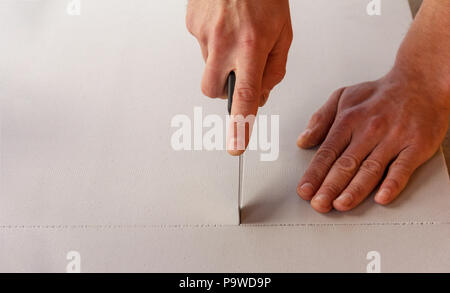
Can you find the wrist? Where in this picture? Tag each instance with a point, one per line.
(423, 60)
(420, 84)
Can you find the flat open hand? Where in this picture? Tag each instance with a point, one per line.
(381, 131)
(368, 127)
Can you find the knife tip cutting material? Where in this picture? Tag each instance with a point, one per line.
(230, 86)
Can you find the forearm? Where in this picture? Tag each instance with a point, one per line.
(425, 53)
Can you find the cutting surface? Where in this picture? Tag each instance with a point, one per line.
(86, 109)
(86, 162)
(335, 49)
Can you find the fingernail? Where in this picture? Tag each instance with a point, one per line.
(231, 142)
(345, 199)
(384, 195)
(322, 200)
(303, 137)
(306, 190)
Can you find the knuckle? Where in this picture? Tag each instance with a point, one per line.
(400, 129)
(376, 125)
(423, 136)
(423, 149)
(402, 167)
(194, 28)
(249, 43)
(399, 174)
(349, 117)
(218, 31)
(356, 189)
(391, 90)
(250, 40)
(354, 93)
(278, 74)
(338, 134)
(372, 167)
(290, 35)
(313, 176)
(347, 164)
(247, 93)
(393, 183)
(210, 90)
(189, 21)
(189, 27)
(331, 188)
(326, 155)
(218, 40)
(316, 117)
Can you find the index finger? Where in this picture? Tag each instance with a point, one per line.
(249, 71)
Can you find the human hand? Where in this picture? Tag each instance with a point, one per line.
(395, 123)
(251, 38)
(368, 127)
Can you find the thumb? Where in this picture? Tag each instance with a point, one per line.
(320, 122)
(249, 72)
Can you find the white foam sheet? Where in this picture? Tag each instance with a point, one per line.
(86, 163)
(340, 53)
(310, 248)
(86, 109)
(273, 199)
(348, 47)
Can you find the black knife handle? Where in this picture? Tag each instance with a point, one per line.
(230, 87)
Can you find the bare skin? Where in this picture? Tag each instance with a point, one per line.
(251, 38)
(374, 133)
